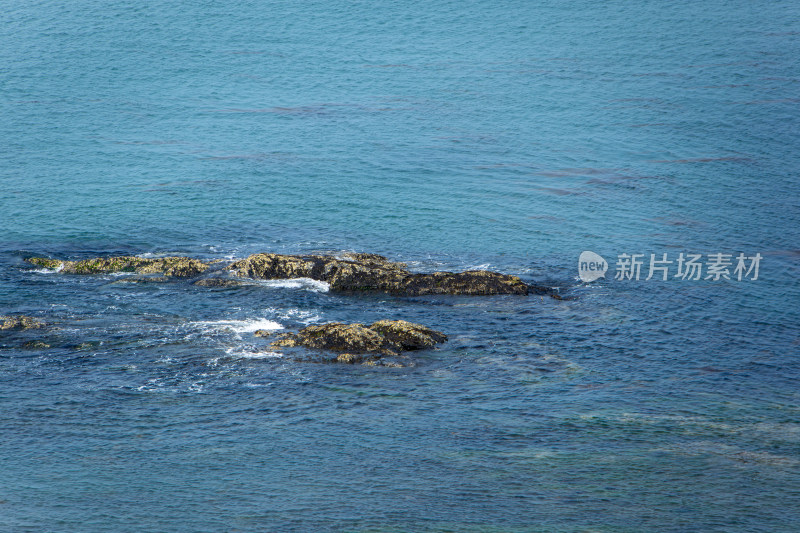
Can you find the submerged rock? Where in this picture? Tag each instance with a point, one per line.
(20, 322)
(144, 279)
(375, 273)
(217, 282)
(183, 267)
(36, 345)
(355, 343)
(86, 345)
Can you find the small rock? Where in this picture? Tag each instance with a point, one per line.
(349, 358)
(357, 342)
(170, 266)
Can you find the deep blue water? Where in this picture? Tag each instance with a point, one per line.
(509, 136)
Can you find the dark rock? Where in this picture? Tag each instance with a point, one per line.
(171, 266)
(471, 282)
(263, 333)
(20, 322)
(375, 273)
(357, 342)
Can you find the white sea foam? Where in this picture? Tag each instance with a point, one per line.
(151, 255)
(251, 385)
(296, 283)
(243, 353)
(239, 326)
(300, 315)
(56, 270)
(120, 274)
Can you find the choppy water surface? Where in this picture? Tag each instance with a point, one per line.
(460, 135)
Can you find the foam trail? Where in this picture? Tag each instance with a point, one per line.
(56, 270)
(240, 326)
(297, 283)
(250, 354)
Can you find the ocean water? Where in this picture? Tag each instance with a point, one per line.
(509, 136)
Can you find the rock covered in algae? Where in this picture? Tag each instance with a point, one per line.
(46, 262)
(408, 335)
(375, 273)
(351, 272)
(182, 267)
(356, 343)
(20, 322)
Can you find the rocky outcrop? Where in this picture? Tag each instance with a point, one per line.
(20, 322)
(375, 273)
(351, 273)
(181, 267)
(355, 343)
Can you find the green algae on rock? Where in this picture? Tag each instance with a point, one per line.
(45, 262)
(182, 267)
(354, 343)
(375, 273)
(408, 335)
(20, 322)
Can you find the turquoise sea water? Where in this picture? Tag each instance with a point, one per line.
(510, 136)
